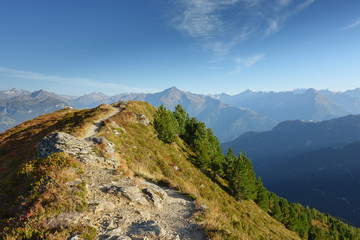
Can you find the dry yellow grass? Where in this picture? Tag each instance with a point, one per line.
(148, 157)
(142, 154)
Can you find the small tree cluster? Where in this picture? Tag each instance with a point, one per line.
(202, 140)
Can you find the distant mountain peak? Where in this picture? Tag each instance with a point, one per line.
(41, 94)
(311, 91)
(96, 94)
(248, 91)
(173, 89)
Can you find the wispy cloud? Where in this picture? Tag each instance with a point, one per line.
(201, 18)
(14, 73)
(246, 62)
(219, 26)
(211, 68)
(354, 24)
(273, 27)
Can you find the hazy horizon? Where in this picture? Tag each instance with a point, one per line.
(184, 90)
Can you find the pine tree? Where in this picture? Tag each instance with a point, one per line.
(238, 179)
(201, 147)
(228, 164)
(284, 205)
(165, 124)
(262, 196)
(216, 154)
(191, 126)
(250, 176)
(182, 117)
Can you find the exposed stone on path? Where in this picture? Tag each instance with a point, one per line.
(121, 208)
(144, 193)
(146, 229)
(82, 149)
(62, 142)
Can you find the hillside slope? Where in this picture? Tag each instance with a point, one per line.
(290, 138)
(327, 179)
(129, 153)
(314, 163)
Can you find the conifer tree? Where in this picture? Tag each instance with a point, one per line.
(284, 205)
(275, 208)
(165, 124)
(293, 219)
(182, 117)
(262, 196)
(216, 154)
(250, 176)
(238, 179)
(228, 164)
(191, 126)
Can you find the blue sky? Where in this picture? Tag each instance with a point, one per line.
(202, 46)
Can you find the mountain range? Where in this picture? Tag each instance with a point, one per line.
(17, 106)
(314, 163)
(227, 122)
(229, 116)
(300, 104)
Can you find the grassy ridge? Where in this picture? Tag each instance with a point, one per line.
(143, 154)
(29, 185)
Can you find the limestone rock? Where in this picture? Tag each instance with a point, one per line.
(132, 193)
(65, 219)
(101, 205)
(146, 229)
(142, 118)
(74, 237)
(62, 142)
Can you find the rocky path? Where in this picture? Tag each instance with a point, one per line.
(95, 128)
(122, 207)
(135, 209)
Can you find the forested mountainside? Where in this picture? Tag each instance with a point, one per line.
(72, 169)
(314, 163)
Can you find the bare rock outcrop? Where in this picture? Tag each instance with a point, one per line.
(62, 142)
(79, 148)
(121, 207)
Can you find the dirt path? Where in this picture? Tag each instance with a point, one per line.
(95, 128)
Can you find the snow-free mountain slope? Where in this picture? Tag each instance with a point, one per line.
(309, 162)
(302, 104)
